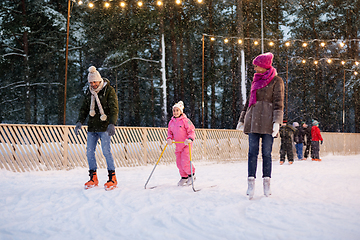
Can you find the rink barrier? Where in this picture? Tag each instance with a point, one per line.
(25, 147)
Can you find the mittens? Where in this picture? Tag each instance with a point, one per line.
(240, 126)
(187, 141)
(77, 128)
(276, 128)
(111, 130)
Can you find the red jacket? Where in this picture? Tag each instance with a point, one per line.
(315, 134)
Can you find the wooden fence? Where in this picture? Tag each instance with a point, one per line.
(55, 147)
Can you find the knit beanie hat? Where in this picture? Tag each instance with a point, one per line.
(315, 123)
(295, 124)
(179, 105)
(94, 75)
(264, 60)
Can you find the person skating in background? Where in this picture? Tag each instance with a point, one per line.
(286, 145)
(181, 129)
(101, 106)
(315, 138)
(261, 118)
(307, 140)
(299, 140)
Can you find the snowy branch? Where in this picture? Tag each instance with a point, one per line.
(23, 84)
(9, 101)
(16, 54)
(10, 10)
(12, 48)
(135, 58)
(12, 84)
(148, 79)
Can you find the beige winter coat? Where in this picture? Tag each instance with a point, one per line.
(268, 109)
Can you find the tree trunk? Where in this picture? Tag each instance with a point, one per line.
(356, 98)
(26, 65)
(240, 48)
(190, 75)
(174, 54)
(211, 71)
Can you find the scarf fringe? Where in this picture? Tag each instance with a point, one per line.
(95, 98)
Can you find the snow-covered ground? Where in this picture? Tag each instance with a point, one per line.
(310, 200)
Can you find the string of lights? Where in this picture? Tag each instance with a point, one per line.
(323, 43)
(122, 4)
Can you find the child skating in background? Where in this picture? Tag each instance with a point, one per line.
(286, 145)
(181, 129)
(315, 138)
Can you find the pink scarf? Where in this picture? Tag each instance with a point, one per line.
(260, 80)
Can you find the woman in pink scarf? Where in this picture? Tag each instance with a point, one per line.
(261, 118)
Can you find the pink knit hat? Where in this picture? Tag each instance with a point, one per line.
(264, 60)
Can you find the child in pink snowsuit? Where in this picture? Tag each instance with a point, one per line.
(181, 129)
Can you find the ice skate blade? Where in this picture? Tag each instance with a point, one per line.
(89, 187)
(110, 188)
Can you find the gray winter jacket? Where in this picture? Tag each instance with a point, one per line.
(268, 109)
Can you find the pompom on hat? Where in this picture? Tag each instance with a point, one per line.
(94, 75)
(179, 105)
(315, 123)
(264, 60)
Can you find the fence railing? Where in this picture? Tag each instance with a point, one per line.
(54, 147)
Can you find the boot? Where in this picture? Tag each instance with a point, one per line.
(111, 183)
(183, 181)
(93, 182)
(251, 187)
(266, 182)
(189, 181)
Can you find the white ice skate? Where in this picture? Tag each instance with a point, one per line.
(251, 187)
(183, 182)
(266, 183)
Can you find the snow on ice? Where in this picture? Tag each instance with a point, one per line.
(310, 200)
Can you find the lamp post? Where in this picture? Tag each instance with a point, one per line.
(202, 79)
(287, 44)
(262, 28)
(66, 58)
(343, 113)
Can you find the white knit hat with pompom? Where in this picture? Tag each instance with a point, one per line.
(94, 75)
(179, 105)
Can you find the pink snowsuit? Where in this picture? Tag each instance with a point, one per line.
(179, 130)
